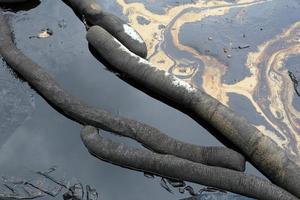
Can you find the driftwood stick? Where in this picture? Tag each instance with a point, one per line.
(177, 168)
(77, 110)
(261, 151)
(95, 15)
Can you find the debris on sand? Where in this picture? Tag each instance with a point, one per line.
(62, 24)
(44, 33)
(242, 47)
(44, 184)
(296, 82)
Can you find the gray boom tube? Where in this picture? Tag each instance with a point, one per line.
(149, 136)
(261, 151)
(177, 168)
(94, 15)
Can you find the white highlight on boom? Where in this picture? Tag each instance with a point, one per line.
(175, 81)
(132, 33)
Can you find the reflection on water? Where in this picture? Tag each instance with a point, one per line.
(16, 102)
(238, 51)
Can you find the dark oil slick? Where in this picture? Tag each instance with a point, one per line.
(239, 51)
(231, 47)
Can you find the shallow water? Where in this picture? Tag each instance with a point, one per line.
(197, 41)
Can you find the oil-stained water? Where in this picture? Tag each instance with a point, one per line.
(231, 47)
(239, 51)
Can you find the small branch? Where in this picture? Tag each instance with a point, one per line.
(52, 179)
(52, 194)
(164, 185)
(10, 188)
